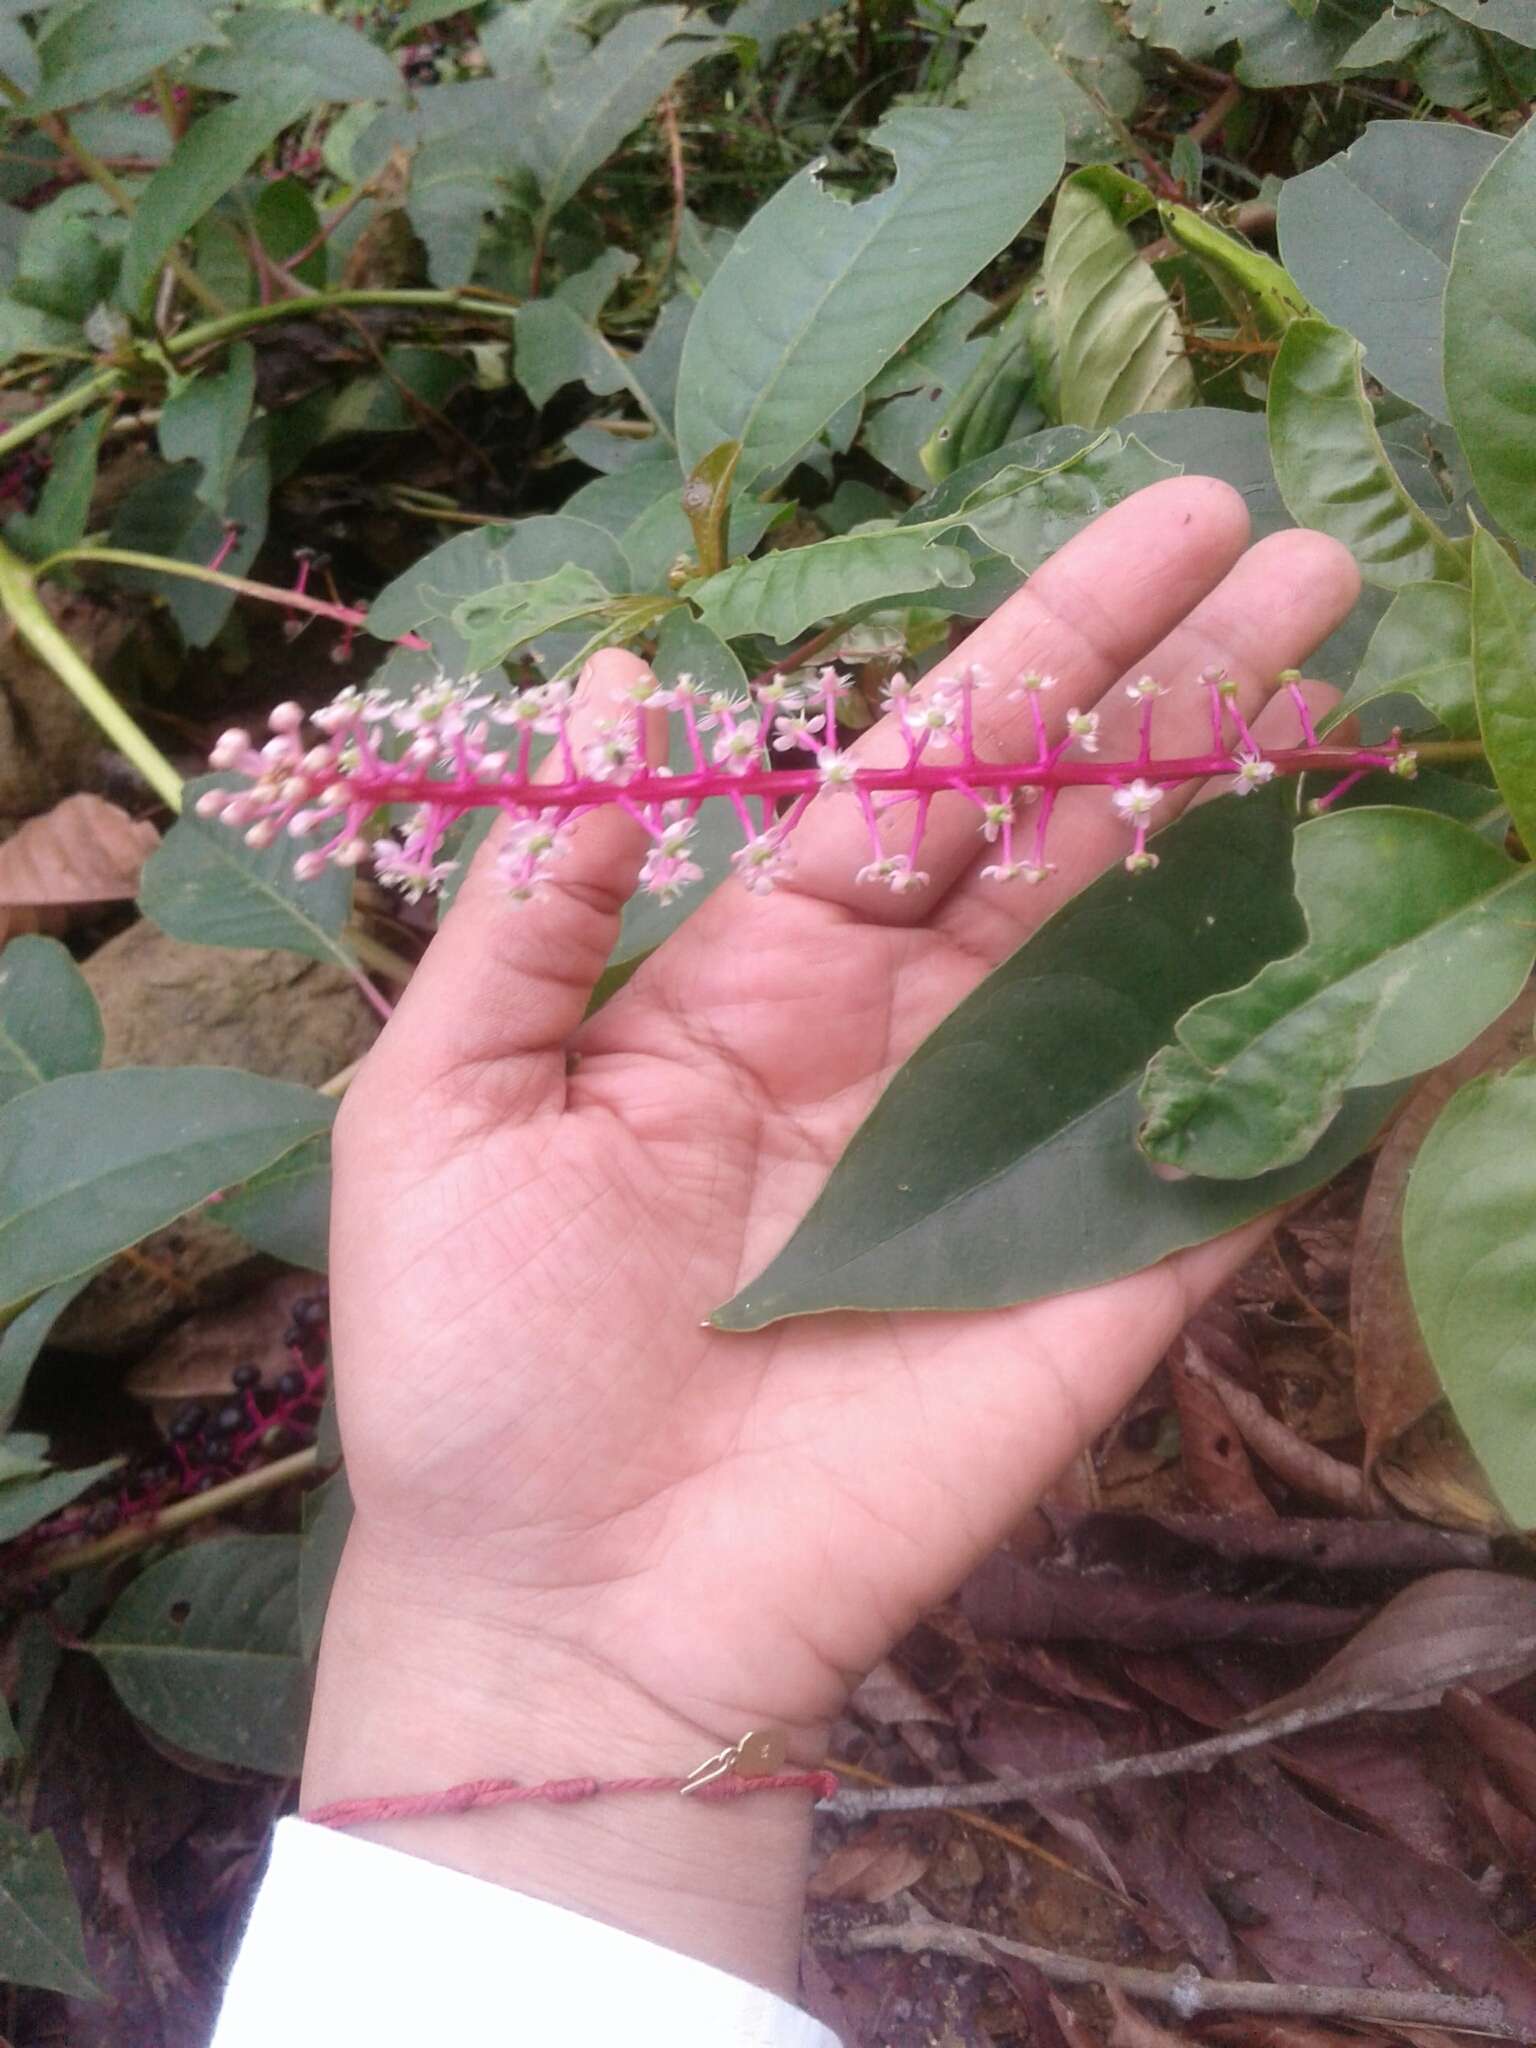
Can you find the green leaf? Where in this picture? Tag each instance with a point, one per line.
(49, 1022)
(1419, 934)
(1277, 46)
(493, 622)
(425, 597)
(108, 44)
(203, 884)
(1512, 18)
(64, 509)
(1504, 670)
(287, 223)
(1028, 512)
(817, 294)
(204, 421)
(211, 158)
(327, 1518)
(204, 1650)
(1022, 1104)
(1490, 336)
(1368, 238)
(270, 48)
(1121, 346)
(1052, 53)
(166, 516)
(767, 21)
(91, 1163)
(1255, 289)
(1423, 649)
(18, 58)
(1333, 470)
(784, 592)
(26, 1502)
(577, 122)
(534, 38)
(1469, 1244)
(913, 394)
(26, 1333)
(560, 342)
(285, 1210)
(41, 1941)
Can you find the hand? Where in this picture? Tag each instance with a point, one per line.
(594, 1535)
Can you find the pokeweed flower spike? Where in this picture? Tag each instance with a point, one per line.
(383, 778)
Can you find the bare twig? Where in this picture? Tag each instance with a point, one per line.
(1188, 1993)
(1169, 1763)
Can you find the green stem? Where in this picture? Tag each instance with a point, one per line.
(18, 596)
(211, 332)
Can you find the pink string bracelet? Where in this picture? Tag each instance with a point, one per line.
(754, 1764)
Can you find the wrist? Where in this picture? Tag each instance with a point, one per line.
(415, 1696)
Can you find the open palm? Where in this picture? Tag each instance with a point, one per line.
(536, 1214)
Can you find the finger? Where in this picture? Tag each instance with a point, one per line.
(504, 984)
(1086, 615)
(1282, 600)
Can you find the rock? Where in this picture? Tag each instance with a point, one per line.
(167, 1004)
(49, 748)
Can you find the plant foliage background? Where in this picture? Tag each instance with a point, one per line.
(341, 343)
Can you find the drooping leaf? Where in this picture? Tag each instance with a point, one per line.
(1333, 470)
(26, 1502)
(590, 104)
(211, 158)
(1120, 345)
(91, 1163)
(1504, 672)
(425, 597)
(327, 1518)
(1368, 234)
(64, 508)
(166, 516)
(49, 1022)
(26, 1333)
(1423, 649)
(560, 341)
(1469, 1239)
(1001, 1163)
(1419, 934)
(204, 1649)
(1490, 336)
(285, 1210)
(41, 1941)
(1044, 53)
(105, 45)
(206, 886)
(1257, 291)
(204, 421)
(782, 593)
(817, 294)
(267, 47)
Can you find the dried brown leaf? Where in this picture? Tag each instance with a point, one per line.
(888, 1696)
(1305, 1466)
(1134, 2029)
(196, 1359)
(1395, 1379)
(1427, 1638)
(868, 1873)
(1508, 1744)
(1215, 1462)
(1431, 1473)
(84, 850)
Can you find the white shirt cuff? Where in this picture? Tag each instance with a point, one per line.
(349, 1941)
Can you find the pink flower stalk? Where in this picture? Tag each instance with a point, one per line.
(453, 747)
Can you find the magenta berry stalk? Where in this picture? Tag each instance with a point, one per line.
(453, 747)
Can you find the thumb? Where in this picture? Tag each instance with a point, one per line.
(504, 984)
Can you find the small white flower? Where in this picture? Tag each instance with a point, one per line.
(610, 754)
(1406, 764)
(1030, 684)
(897, 693)
(935, 717)
(1136, 800)
(1083, 726)
(1252, 773)
(1216, 678)
(762, 862)
(737, 749)
(994, 817)
(1141, 863)
(896, 872)
(1144, 689)
(804, 729)
(835, 769)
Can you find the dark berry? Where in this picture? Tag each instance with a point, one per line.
(293, 1337)
(291, 1385)
(244, 1377)
(206, 1484)
(312, 1312)
(215, 1448)
(188, 1423)
(230, 1419)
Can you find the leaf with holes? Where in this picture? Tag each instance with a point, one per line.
(1368, 234)
(1332, 466)
(49, 1022)
(206, 886)
(1022, 1104)
(1469, 1240)
(817, 294)
(1419, 933)
(204, 1649)
(91, 1163)
(1120, 346)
